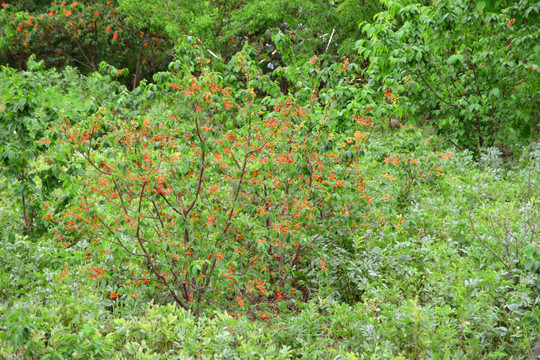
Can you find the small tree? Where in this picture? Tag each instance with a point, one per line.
(472, 74)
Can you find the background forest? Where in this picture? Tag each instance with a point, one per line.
(237, 179)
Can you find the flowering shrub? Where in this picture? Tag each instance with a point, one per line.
(81, 33)
(216, 201)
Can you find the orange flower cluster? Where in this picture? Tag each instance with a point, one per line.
(263, 315)
(445, 156)
(390, 96)
(64, 272)
(392, 159)
(362, 121)
(96, 273)
(345, 65)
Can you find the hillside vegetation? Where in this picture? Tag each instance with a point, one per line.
(270, 179)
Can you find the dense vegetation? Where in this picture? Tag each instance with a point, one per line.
(269, 179)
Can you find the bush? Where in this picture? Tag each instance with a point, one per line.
(217, 201)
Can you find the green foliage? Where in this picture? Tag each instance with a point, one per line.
(223, 27)
(24, 120)
(313, 211)
(351, 13)
(532, 260)
(471, 74)
(82, 35)
(201, 19)
(513, 227)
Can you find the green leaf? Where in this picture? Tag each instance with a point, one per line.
(453, 59)
(481, 5)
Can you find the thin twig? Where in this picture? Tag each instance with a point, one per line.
(329, 41)
(435, 93)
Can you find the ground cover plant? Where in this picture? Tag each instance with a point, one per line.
(330, 207)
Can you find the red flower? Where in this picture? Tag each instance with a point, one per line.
(115, 36)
